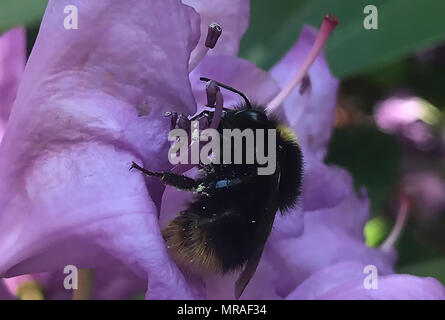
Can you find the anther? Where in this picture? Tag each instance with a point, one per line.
(214, 99)
(213, 33)
(183, 122)
(211, 90)
(230, 89)
(173, 118)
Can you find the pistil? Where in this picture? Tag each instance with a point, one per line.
(328, 25)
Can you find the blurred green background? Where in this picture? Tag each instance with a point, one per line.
(405, 54)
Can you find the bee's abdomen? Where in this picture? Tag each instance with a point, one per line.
(188, 244)
(221, 232)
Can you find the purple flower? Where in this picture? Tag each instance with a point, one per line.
(334, 216)
(113, 282)
(92, 100)
(394, 113)
(74, 131)
(413, 120)
(12, 63)
(345, 281)
(417, 125)
(117, 282)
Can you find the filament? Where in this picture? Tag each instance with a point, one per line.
(328, 25)
(213, 34)
(398, 227)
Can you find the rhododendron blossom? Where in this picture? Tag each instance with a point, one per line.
(91, 101)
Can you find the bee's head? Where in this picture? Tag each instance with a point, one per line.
(255, 116)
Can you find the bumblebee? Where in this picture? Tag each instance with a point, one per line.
(226, 226)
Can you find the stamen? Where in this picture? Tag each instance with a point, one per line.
(211, 91)
(197, 57)
(218, 110)
(173, 119)
(328, 25)
(214, 99)
(397, 229)
(183, 122)
(213, 34)
(230, 89)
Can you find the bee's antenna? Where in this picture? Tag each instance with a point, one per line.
(248, 104)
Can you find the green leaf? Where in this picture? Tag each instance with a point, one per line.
(404, 26)
(14, 13)
(267, 21)
(432, 268)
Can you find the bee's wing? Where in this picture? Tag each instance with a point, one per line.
(248, 272)
(252, 264)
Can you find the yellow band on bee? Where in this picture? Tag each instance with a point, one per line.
(287, 134)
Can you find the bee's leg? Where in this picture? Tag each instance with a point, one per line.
(169, 178)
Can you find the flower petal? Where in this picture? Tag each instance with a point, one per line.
(238, 73)
(12, 63)
(4, 292)
(105, 209)
(311, 117)
(260, 287)
(259, 87)
(232, 16)
(330, 235)
(324, 186)
(346, 281)
(67, 196)
(396, 112)
(114, 281)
